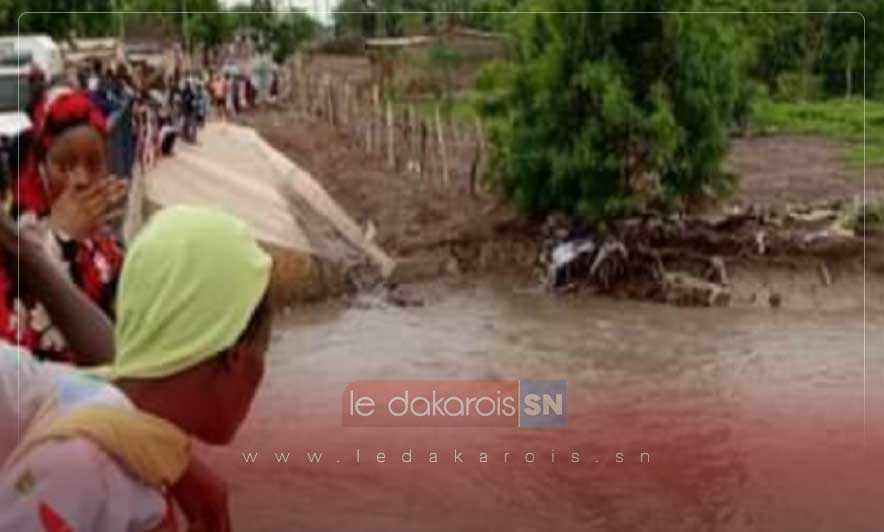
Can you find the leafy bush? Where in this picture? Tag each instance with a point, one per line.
(868, 221)
(749, 93)
(795, 86)
(603, 114)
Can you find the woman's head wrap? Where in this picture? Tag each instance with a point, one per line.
(64, 110)
(190, 284)
(57, 111)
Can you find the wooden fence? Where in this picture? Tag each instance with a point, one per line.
(439, 151)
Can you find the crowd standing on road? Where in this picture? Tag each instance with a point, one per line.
(87, 139)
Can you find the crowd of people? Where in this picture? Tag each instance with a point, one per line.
(72, 205)
(234, 93)
(163, 110)
(112, 452)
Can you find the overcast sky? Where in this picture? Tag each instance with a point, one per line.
(320, 9)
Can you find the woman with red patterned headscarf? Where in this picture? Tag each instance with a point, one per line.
(63, 191)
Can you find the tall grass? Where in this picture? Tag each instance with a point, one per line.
(837, 119)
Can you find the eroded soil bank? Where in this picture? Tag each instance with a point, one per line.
(779, 242)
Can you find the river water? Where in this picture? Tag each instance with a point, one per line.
(752, 419)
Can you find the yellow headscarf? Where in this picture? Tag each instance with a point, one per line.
(189, 285)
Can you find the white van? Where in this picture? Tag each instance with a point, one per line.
(18, 54)
(44, 52)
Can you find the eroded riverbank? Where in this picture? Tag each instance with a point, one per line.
(447, 230)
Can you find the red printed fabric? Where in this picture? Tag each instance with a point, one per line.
(51, 521)
(93, 263)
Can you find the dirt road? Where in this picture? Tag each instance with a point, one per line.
(775, 171)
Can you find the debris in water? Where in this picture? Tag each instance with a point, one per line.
(562, 256)
(370, 231)
(404, 298)
(760, 245)
(582, 260)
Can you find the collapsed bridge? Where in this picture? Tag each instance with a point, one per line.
(314, 242)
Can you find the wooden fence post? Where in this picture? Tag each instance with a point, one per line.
(443, 156)
(376, 116)
(365, 118)
(391, 154)
(410, 136)
(296, 81)
(330, 95)
(368, 140)
(479, 161)
(424, 137)
(308, 96)
(348, 105)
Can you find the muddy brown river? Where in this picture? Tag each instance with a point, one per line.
(751, 420)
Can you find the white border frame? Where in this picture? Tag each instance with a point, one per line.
(865, 125)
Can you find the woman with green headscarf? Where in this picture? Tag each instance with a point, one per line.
(193, 326)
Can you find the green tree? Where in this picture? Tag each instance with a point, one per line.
(151, 19)
(602, 114)
(208, 24)
(257, 15)
(443, 60)
(62, 19)
(873, 14)
(841, 63)
(290, 31)
(775, 41)
(394, 18)
(849, 54)
(354, 18)
(489, 15)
